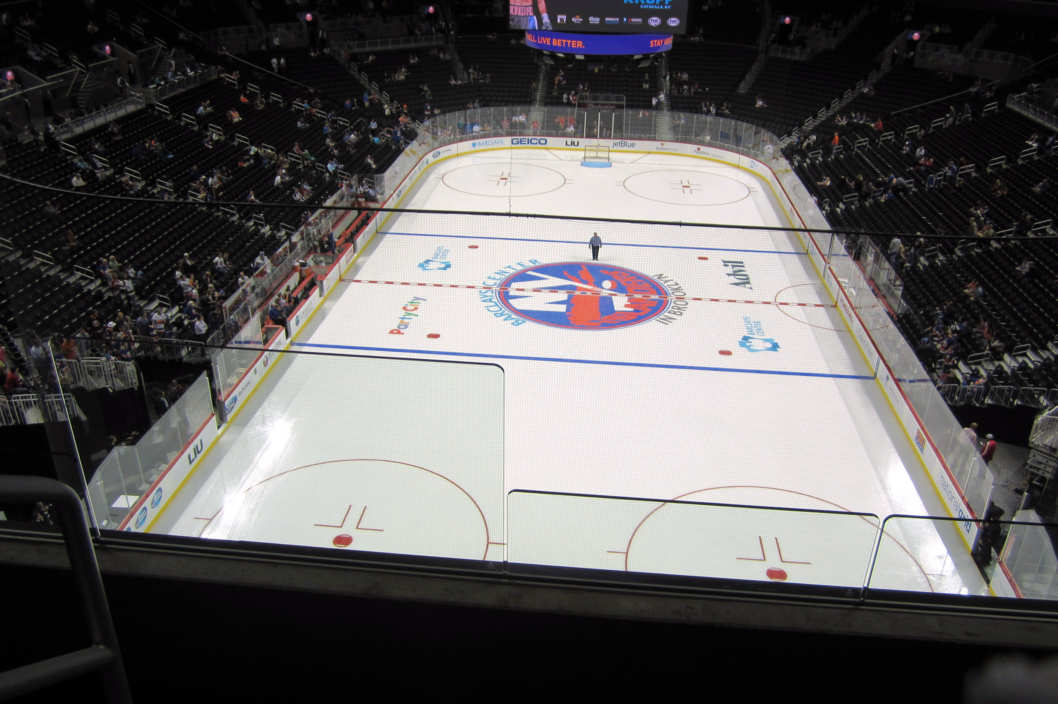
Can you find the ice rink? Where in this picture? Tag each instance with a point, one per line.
(478, 387)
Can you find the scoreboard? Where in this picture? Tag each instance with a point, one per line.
(601, 16)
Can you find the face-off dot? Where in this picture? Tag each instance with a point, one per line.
(726, 353)
(776, 574)
(704, 259)
(433, 336)
(342, 540)
(472, 246)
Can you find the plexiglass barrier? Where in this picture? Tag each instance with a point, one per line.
(131, 478)
(691, 538)
(1028, 554)
(322, 450)
(778, 545)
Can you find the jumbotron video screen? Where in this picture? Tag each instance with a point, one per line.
(609, 16)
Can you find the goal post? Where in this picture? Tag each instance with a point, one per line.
(596, 155)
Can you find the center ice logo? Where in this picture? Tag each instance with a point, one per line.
(582, 295)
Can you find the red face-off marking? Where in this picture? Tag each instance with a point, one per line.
(472, 246)
(726, 353)
(433, 336)
(342, 540)
(704, 259)
(776, 574)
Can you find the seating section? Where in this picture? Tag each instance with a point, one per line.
(612, 76)
(151, 153)
(725, 21)
(414, 78)
(713, 72)
(936, 158)
(969, 299)
(506, 67)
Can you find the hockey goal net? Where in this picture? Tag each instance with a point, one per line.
(596, 155)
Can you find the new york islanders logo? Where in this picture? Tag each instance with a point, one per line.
(582, 295)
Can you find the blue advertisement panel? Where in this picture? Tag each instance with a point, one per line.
(608, 44)
(605, 16)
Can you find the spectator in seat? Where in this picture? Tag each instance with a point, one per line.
(158, 322)
(142, 324)
(13, 381)
(52, 210)
(220, 265)
(262, 262)
(1025, 267)
(276, 312)
(77, 181)
(1023, 225)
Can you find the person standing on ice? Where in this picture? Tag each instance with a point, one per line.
(595, 243)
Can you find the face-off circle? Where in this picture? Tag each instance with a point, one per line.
(678, 187)
(503, 180)
(583, 296)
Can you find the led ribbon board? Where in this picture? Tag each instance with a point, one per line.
(601, 44)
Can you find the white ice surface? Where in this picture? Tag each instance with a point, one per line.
(420, 457)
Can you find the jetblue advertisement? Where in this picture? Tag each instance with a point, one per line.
(606, 16)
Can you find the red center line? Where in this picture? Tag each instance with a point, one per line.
(591, 293)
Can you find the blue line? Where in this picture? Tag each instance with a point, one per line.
(608, 244)
(651, 365)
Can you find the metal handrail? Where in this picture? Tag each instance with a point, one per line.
(103, 654)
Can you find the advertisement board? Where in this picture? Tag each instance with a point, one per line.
(599, 16)
(599, 44)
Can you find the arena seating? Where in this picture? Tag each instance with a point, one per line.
(512, 68)
(944, 115)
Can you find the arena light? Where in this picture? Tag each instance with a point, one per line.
(430, 9)
(915, 36)
(787, 19)
(107, 50)
(308, 16)
(10, 75)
